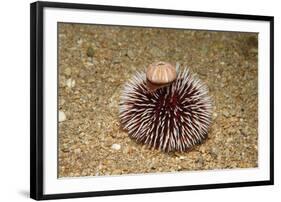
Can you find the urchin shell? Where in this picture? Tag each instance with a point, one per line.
(172, 118)
(161, 73)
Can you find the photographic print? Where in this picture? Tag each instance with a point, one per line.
(199, 113)
(131, 100)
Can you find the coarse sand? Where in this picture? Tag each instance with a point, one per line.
(95, 62)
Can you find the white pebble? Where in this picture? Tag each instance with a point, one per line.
(215, 115)
(116, 146)
(62, 116)
(80, 41)
(226, 114)
(70, 83)
(182, 157)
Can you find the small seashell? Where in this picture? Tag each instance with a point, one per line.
(62, 116)
(161, 73)
(116, 146)
(70, 83)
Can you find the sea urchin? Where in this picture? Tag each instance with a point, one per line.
(171, 118)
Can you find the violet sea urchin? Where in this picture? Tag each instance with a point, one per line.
(172, 118)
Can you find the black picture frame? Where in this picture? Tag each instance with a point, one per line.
(37, 99)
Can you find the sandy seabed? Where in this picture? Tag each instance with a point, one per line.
(96, 61)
